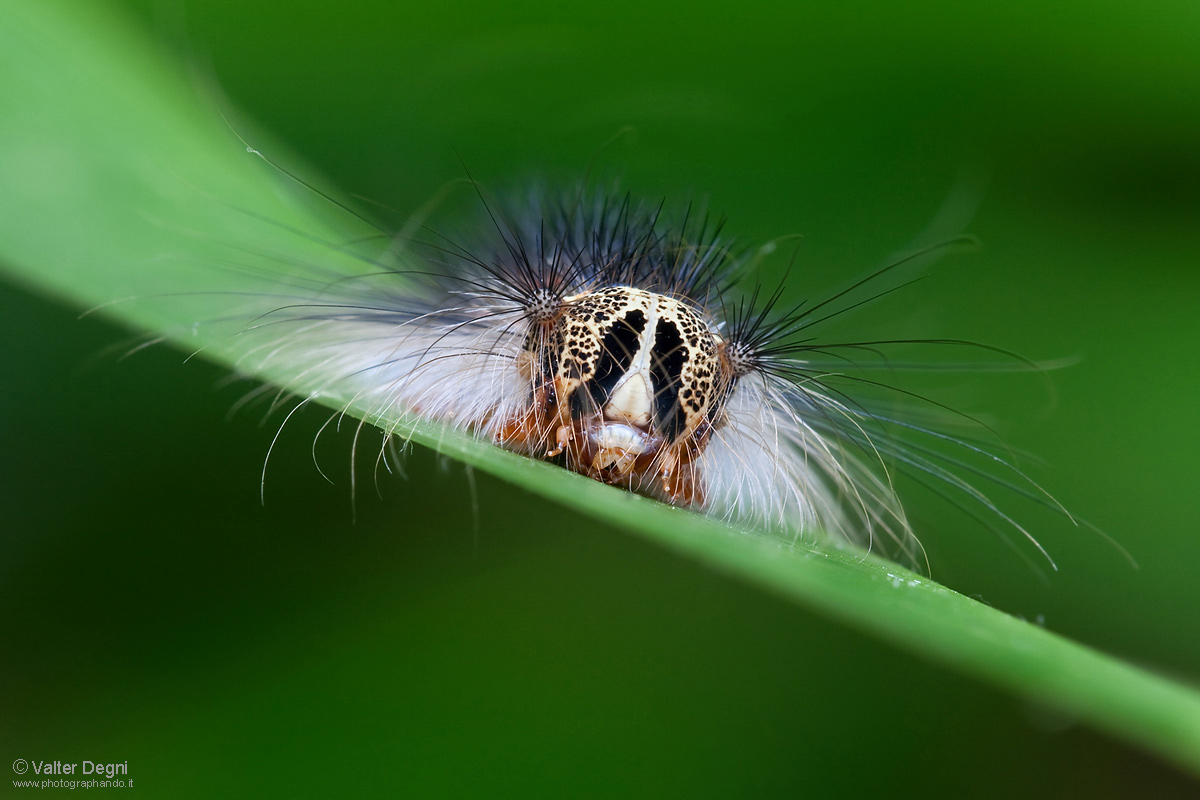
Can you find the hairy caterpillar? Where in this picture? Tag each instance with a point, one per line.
(630, 344)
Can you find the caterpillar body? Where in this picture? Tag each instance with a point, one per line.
(590, 330)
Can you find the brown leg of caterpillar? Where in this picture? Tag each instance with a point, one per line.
(681, 483)
(562, 438)
(532, 429)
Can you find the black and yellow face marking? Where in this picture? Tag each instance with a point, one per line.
(636, 358)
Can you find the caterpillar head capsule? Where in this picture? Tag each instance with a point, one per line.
(627, 385)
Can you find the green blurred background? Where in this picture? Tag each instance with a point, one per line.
(151, 611)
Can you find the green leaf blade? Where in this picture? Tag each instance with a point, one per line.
(119, 187)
